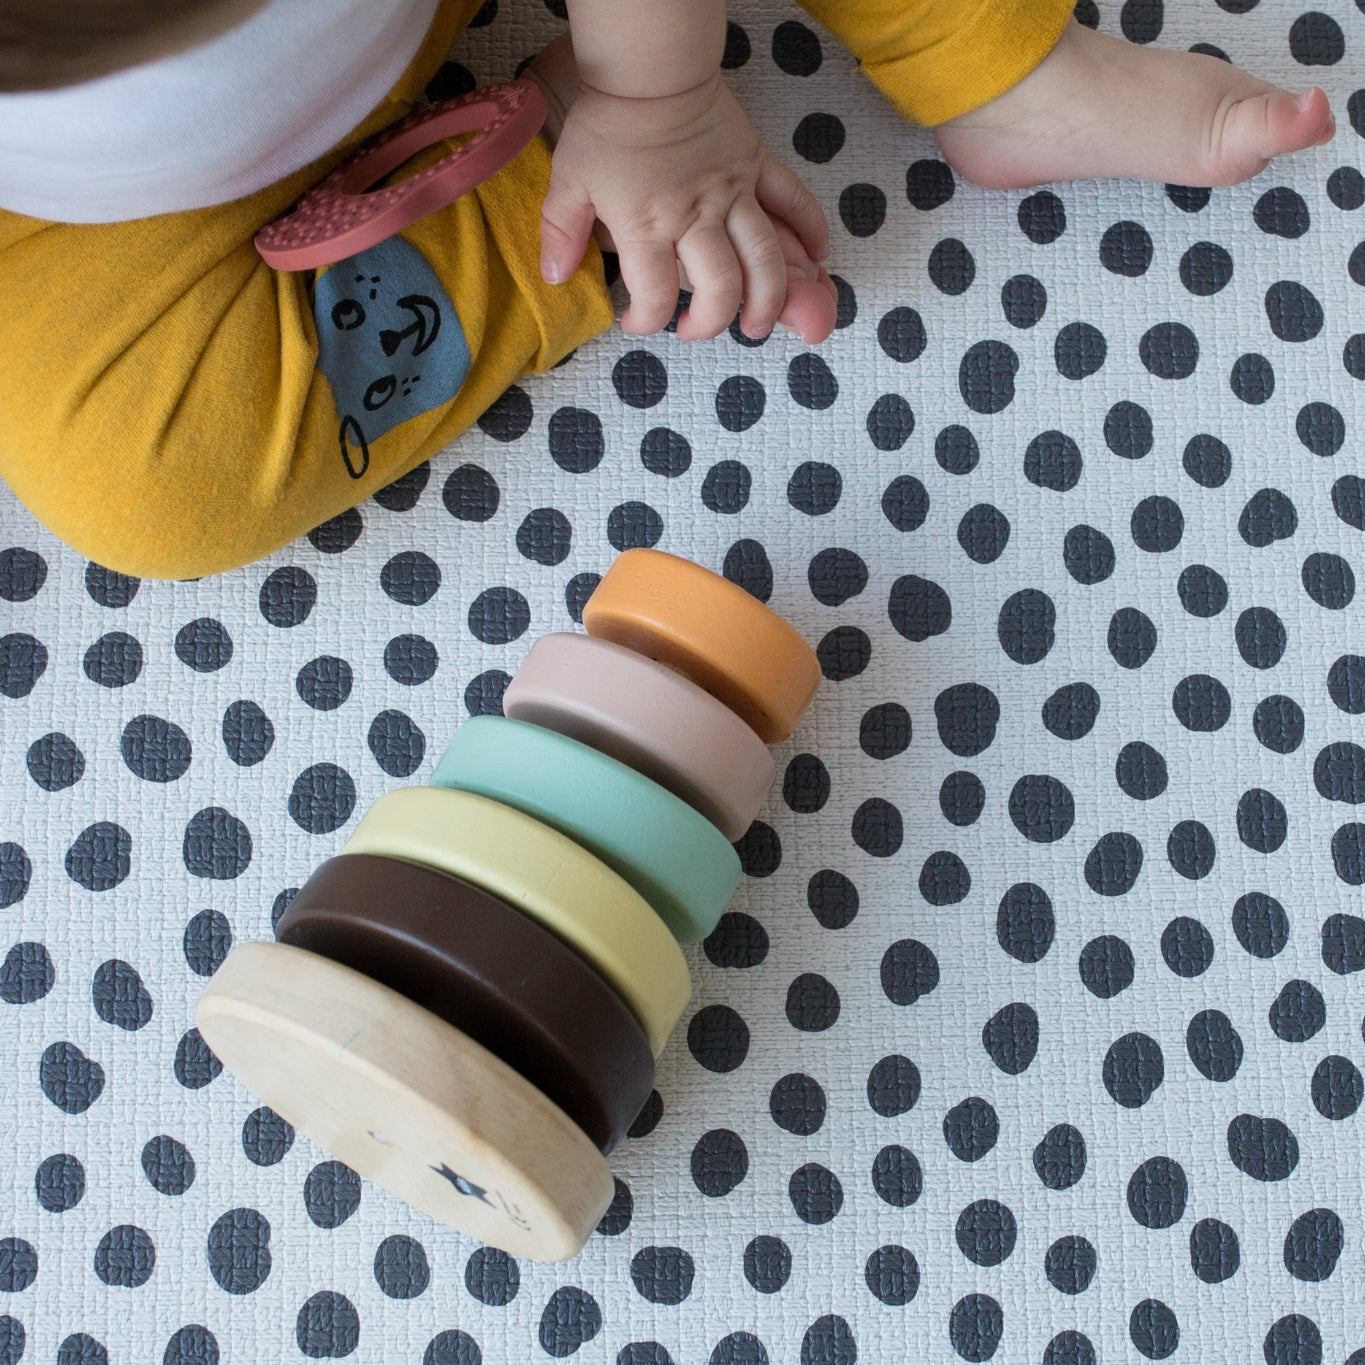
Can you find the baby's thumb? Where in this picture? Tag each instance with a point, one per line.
(566, 220)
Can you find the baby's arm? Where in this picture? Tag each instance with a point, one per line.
(656, 147)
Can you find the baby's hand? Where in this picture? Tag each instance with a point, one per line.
(683, 180)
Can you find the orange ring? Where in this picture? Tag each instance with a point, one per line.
(703, 625)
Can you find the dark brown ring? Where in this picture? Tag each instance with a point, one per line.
(489, 970)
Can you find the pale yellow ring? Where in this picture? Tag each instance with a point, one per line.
(547, 876)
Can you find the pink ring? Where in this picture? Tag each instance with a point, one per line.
(341, 217)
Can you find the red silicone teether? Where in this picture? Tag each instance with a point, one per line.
(339, 218)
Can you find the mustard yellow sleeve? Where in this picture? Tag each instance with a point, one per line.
(936, 59)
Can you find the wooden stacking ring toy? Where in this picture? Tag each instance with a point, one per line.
(547, 876)
(703, 625)
(406, 1100)
(677, 860)
(492, 972)
(466, 1004)
(342, 216)
(648, 717)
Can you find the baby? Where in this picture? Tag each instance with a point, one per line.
(173, 407)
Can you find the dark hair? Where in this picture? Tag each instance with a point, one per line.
(46, 44)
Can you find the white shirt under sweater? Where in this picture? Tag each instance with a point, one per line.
(211, 124)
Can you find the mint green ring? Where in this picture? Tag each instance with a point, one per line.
(676, 859)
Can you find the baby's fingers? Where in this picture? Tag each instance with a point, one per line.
(566, 220)
(765, 270)
(782, 195)
(650, 273)
(717, 282)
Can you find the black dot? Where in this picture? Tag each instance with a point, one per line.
(811, 383)
(125, 1257)
(1261, 924)
(967, 715)
(1141, 20)
(901, 335)
(100, 857)
(27, 974)
(829, 1340)
(248, 735)
(1313, 1245)
(1072, 1348)
(951, 267)
(1337, 1088)
(324, 683)
(1316, 39)
(816, 1194)
(454, 1347)
(195, 1065)
(1189, 198)
(805, 784)
(206, 941)
(452, 79)
(287, 599)
(1208, 461)
(1088, 555)
(662, 1274)
(891, 1274)
(239, 1251)
(975, 1327)
(1128, 430)
(737, 47)
(410, 660)
(1329, 580)
(217, 844)
(576, 593)
(796, 49)
(1025, 924)
(411, 578)
(204, 645)
(725, 490)
(339, 534)
(759, 850)
(962, 798)
(331, 1194)
(192, 1345)
(1169, 350)
(844, 652)
(1132, 637)
(168, 1165)
(956, 450)
(944, 879)
(1353, 356)
(1071, 711)
(1053, 460)
(747, 564)
(327, 1326)
(1010, 1038)
(1253, 378)
(1157, 1192)
(1278, 723)
(919, 608)
(767, 1264)
(471, 492)
(22, 574)
(971, 1129)
(1293, 311)
(280, 904)
(1346, 188)
(665, 452)
(493, 1277)
(1295, 1340)
(544, 536)
(862, 209)
(1042, 808)
(983, 533)
(985, 378)
(59, 1184)
(905, 503)
(718, 1038)
(119, 996)
(1203, 591)
(16, 871)
(1042, 217)
(1152, 1327)
(890, 422)
(322, 798)
(878, 828)
(499, 615)
(1070, 1264)
(893, 1086)
(1106, 966)
(1190, 849)
(1348, 500)
(1079, 350)
(1157, 524)
(884, 731)
(1126, 249)
(797, 1105)
(1261, 637)
(1281, 212)
(401, 1269)
(1026, 626)
(814, 488)
(1187, 947)
(82, 1349)
(740, 401)
(738, 940)
(1215, 1255)
(1059, 1159)
(404, 493)
(1140, 771)
(1262, 822)
(1263, 1148)
(832, 899)
(640, 379)
(929, 184)
(1298, 1012)
(109, 589)
(576, 441)
(897, 1176)
(836, 575)
(986, 1232)
(909, 971)
(1346, 683)
(1113, 865)
(812, 1003)
(1024, 300)
(114, 660)
(1348, 854)
(54, 762)
(1205, 269)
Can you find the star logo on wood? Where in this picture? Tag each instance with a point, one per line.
(465, 1187)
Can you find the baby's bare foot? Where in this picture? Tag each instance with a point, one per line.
(1098, 106)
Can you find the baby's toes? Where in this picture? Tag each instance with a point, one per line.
(1264, 126)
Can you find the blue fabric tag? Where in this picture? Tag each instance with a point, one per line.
(389, 342)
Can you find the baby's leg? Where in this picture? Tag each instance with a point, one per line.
(1099, 106)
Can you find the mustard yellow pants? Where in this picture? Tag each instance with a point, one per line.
(172, 407)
